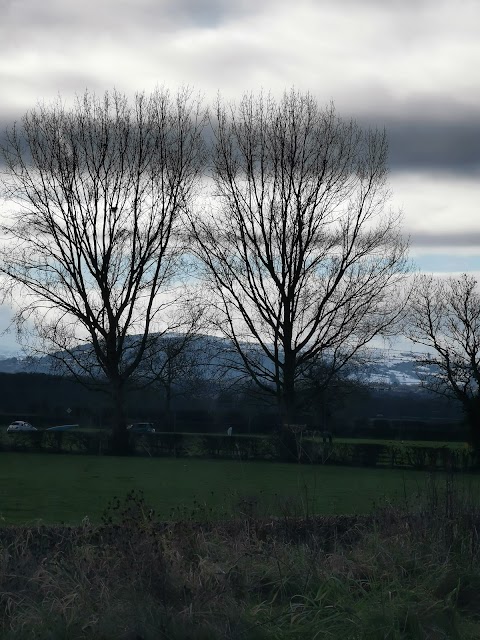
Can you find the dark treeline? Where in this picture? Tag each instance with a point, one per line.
(403, 412)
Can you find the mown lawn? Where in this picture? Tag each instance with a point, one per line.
(66, 488)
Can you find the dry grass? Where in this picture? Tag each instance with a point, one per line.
(411, 573)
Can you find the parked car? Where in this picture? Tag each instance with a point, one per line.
(62, 427)
(141, 427)
(20, 425)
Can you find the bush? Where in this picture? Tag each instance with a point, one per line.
(410, 573)
(284, 446)
(160, 444)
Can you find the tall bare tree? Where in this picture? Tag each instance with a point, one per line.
(91, 246)
(444, 316)
(303, 258)
(174, 363)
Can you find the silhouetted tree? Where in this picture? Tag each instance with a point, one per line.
(93, 253)
(180, 363)
(302, 256)
(444, 316)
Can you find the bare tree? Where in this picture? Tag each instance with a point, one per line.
(444, 316)
(174, 364)
(303, 259)
(91, 246)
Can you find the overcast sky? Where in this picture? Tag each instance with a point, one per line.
(409, 65)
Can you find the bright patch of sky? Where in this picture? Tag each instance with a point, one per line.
(447, 263)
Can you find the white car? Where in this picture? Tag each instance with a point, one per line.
(20, 425)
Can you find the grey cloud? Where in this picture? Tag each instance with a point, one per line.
(451, 146)
(420, 144)
(432, 133)
(110, 18)
(469, 238)
(52, 83)
(425, 132)
(209, 13)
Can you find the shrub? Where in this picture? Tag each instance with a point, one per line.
(410, 573)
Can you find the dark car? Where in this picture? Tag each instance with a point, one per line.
(141, 427)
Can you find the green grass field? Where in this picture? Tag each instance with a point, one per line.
(66, 488)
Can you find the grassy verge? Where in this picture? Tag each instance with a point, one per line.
(407, 573)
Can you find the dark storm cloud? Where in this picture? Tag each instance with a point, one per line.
(452, 146)
(428, 132)
(431, 239)
(414, 144)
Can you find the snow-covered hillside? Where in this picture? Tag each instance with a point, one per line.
(391, 367)
(385, 366)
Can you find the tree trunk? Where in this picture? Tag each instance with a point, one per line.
(168, 405)
(120, 437)
(287, 406)
(473, 419)
(288, 397)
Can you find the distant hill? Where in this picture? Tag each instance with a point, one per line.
(18, 364)
(386, 367)
(392, 367)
